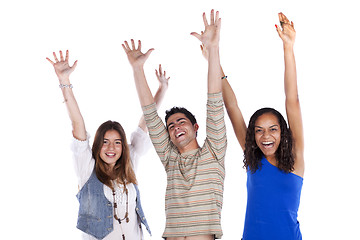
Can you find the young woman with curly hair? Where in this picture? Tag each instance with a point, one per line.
(109, 198)
(273, 154)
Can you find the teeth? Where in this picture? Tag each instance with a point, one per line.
(110, 154)
(179, 134)
(267, 143)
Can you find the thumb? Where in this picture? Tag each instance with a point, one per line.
(74, 65)
(198, 36)
(279, 31)
(147, 54)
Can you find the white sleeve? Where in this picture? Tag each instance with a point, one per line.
(139, 144)
(83, 161)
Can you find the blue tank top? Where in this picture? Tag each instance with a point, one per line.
(272, 204)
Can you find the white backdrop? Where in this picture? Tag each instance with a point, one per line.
(38, 183)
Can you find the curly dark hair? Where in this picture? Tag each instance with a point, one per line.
(183, 110)
(284, 154)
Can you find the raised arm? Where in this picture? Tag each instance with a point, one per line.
(159, 95)
(293, 111)
(137, 60)
(210, 39)
(231, 105)
(63, 71)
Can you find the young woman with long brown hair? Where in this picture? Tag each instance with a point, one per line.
(109, 198)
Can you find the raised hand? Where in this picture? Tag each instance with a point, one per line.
(161, 76)
(62, 67)
(135, 56)
(287, 33)
(211, 36)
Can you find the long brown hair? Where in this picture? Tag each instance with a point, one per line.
(123, 172)
(284, 153)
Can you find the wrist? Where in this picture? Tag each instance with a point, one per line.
(288, 46)
(64, 80)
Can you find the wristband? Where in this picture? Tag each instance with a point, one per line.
(65, 86)
(224, 77)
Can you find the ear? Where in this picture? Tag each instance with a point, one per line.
(196, 127)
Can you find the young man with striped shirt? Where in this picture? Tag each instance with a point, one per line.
(195, 174)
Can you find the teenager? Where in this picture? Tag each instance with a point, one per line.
(110, 206)
(273, 154)
(195, 175)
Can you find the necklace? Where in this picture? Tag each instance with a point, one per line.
(126, 217)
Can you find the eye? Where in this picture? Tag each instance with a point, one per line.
(171, 127)
(118, 142)
(105, 142)
(273, 129)
(258, 131)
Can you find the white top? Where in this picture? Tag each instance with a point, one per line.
(84, 166)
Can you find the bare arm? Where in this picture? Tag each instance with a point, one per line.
(210, 39)
(159, 95)
(137, 60)
(231, 106)
(292, 103)
(63, 71)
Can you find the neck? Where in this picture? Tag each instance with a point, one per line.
(189, 147)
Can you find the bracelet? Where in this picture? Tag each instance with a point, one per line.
(65, 86)
(224, 77)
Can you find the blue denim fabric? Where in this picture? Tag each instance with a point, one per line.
(96, 212)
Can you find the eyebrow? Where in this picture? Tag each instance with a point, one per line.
(118, 139)
(275, 125)
(177, 120)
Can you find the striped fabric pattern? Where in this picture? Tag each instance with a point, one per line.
(195, 179)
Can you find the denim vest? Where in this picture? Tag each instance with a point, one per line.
(96, 211)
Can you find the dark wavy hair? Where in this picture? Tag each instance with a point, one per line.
(123, 172)
(284, 154)
(174, 110)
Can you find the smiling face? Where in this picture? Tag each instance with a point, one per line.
(111, 149)
(182, 132)
(268, 135)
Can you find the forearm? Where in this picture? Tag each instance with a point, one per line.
(142, 87)
(214, 70)
(159, 96)
(290, 78)
(75, 116)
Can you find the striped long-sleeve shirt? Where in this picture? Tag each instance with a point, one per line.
(195, 179)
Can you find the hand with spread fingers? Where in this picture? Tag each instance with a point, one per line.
(62, 67)
(161, 76)
(135, 56)
(211, 36)
(287, 32)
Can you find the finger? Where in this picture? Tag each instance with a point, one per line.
(198, 36)
(201, 47)
(61, 56)
(139, 45)
(67, 55)
(50, 61)
(125, 48)
(218, 25)
(160, 69)
(157, 74)
(165, 74)
(74, 65)
(217, 16)
(56, 59)
(205, 20)
(212, 20)
(292, 25)
(133, 44)
(127, 45)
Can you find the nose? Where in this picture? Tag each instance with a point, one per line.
(111, 145)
